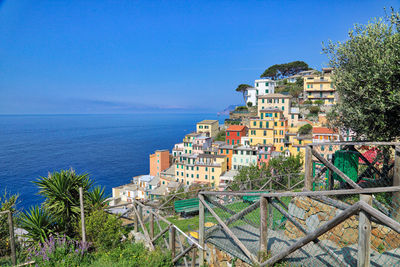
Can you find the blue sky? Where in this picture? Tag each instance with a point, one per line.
(177, 56)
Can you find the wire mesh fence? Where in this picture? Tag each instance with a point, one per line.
(293, 217)
(366, 164)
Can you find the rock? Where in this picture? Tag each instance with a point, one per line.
(312, 223)
(295, 211)
(393, 240)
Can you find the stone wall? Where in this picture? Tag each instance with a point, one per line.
(313, 214)
(218, 258)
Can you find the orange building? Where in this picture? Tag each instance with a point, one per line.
(227, 150)
(159, 161)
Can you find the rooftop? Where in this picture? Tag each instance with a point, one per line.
(323, 130)
(238, 128)
(275, 96)
(207, 122)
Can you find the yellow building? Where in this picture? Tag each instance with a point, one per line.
(319, 87)
(200, 169)
(270, 101)
(269, 128)
(210, 127)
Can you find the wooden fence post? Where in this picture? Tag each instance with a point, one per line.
(151, 225)
(396, 182)
(12, 238)
(263, 227)
(140, 212)
(172, 240)
(201, 231)
(308, 169)
(193, 257)
(135, 217)
(364, 234)
(82, 215)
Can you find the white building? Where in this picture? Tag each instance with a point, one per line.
(261, 87)
(244, 156)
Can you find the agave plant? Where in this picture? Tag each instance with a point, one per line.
(96, 199)
(61, 192)
(38, 223)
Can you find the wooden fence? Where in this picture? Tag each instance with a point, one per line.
(363, 208)
(11, 232)
(144, 215)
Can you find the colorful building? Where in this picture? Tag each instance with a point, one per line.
(261, 87)
(234, 133)
(227, 151)
(159, 161)
(210, 127)
(324, 134)
(244, 156)
(270, 128)
(320, 87)
(202, 168)
(275, 101)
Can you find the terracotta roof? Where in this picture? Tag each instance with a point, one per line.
(236, 128)
(323, 130)
(275, 96)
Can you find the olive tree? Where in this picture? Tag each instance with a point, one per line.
(367, 79)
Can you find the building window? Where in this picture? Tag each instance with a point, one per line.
(256, 84)
(206, 168)
(262, 101)
(254, 123)
(177, 173)
(283, 101)
(227, 141)
(292, 116)
(197, 176)
(212, 177)
(275, 123)
(266, 84)
(227, 133)
(265, 133)
(283, 108)
(206, 176)
(222, 151)
(163, 182)
(281, 123)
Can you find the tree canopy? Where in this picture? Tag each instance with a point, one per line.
(243, 89)
(367, 79)
(284, 70)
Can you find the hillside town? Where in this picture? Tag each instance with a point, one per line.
(272, 124)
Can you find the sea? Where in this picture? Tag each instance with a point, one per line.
(110, 148)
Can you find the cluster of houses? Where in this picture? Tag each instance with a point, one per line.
(273, 132)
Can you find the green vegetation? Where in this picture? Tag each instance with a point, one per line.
(241, 108)
(305, 129)
(60, 212)
(220, 136)
(7, 202)
(243, 89)
(280, 71)
(253, 177)
(54, 237)
(367, 80)
(249, 104)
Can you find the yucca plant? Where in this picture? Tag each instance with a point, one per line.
(96, 199)
(61, 192)
(38, 223)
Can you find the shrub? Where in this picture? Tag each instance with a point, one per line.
(314, 109)
(319, 102)
(59, 251)
(241, 108)
(133, 255)
(307, 102)
(7, 202)
(249, 104)
(305, 129)
(104, 231)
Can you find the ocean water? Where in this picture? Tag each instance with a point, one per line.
(111, 148)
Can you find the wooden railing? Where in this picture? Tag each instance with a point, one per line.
(363, 208)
